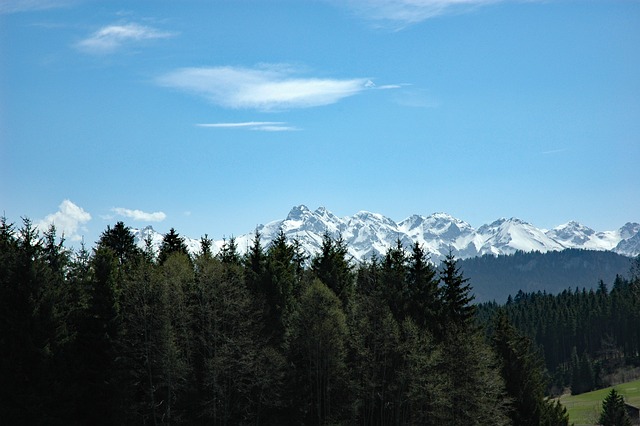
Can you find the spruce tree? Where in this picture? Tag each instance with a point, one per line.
(393, 277)
(522, 371)
(229, 252)
(423, 304)
(205, 246)
(280, 285)
(121, 241)
(317, 353)
(455, 294)
(614, 412)
(332, 267)
(172, 242)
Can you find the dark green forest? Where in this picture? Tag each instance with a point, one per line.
(588, 338)
(495, 277)
(117, 335)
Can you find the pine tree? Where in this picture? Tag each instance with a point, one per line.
(140, 343)
(254, 267)
(455, 294)
(280, 286)
(332, 267)
(236, 380)
(375, 354)
(121, 241)
(229, 252)
(172, 242)
(176, 280)
(423, 304)
(614, 412)
(98, 334)
(393, 277)
(475, 389)
(205, 246)
(317, 352)
(522, 371)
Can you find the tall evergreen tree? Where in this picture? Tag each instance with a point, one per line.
(236, 378)
(254, 266)
(423, 298)
(121, 241)
(141, 343)
(522, 371)
(172, 242)
(393, 275)
(98, 335)
(614, 412)
(280, 285)
(317, 352)
(456, 294)
(229, 252)
(205, 246)
(333, 268)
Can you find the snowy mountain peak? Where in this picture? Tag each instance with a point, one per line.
(571, 234)
(367, 233)
(299, 213)
(629, 230)
(412, 222)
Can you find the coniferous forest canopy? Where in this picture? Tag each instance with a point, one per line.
(495, 277)
(116, 334)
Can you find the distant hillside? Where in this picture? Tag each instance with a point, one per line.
(496, 277)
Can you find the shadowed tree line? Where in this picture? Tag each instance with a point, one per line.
(586, 337)
(122, 335)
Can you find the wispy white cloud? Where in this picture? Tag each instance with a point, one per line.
(15, 6)
(406, 12)
(554, 151)
(68, 220)
(112, 37)
(268, 87)
(276, 128)
(139, 215)
(265, 126)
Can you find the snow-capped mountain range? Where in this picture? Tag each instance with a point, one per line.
(368, 233)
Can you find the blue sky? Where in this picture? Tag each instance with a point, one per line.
(216, 116)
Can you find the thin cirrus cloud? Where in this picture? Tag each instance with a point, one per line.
(111, 38)
(69, 220)
(263, 126)
(266, 88)
(16, 6)
(139, 215)
(407, 12)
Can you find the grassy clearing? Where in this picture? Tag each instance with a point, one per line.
(585, 409)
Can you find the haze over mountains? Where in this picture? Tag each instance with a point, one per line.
(367, 233)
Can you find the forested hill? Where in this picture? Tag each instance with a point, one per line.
(497, 277)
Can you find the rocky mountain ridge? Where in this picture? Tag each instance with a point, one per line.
(367, 234)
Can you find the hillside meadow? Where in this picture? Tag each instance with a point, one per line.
(584, 409)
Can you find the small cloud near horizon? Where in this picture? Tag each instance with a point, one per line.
(110, 38)
(264, 126)
(139, 215)
(68, 220)
(267, 87)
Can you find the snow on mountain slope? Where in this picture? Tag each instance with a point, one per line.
(367, 233)
(629, 246)
(571, 234)
(140, 236)
(506, 236)
(576, 235)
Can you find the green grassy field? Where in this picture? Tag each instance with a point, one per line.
(585, 409)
